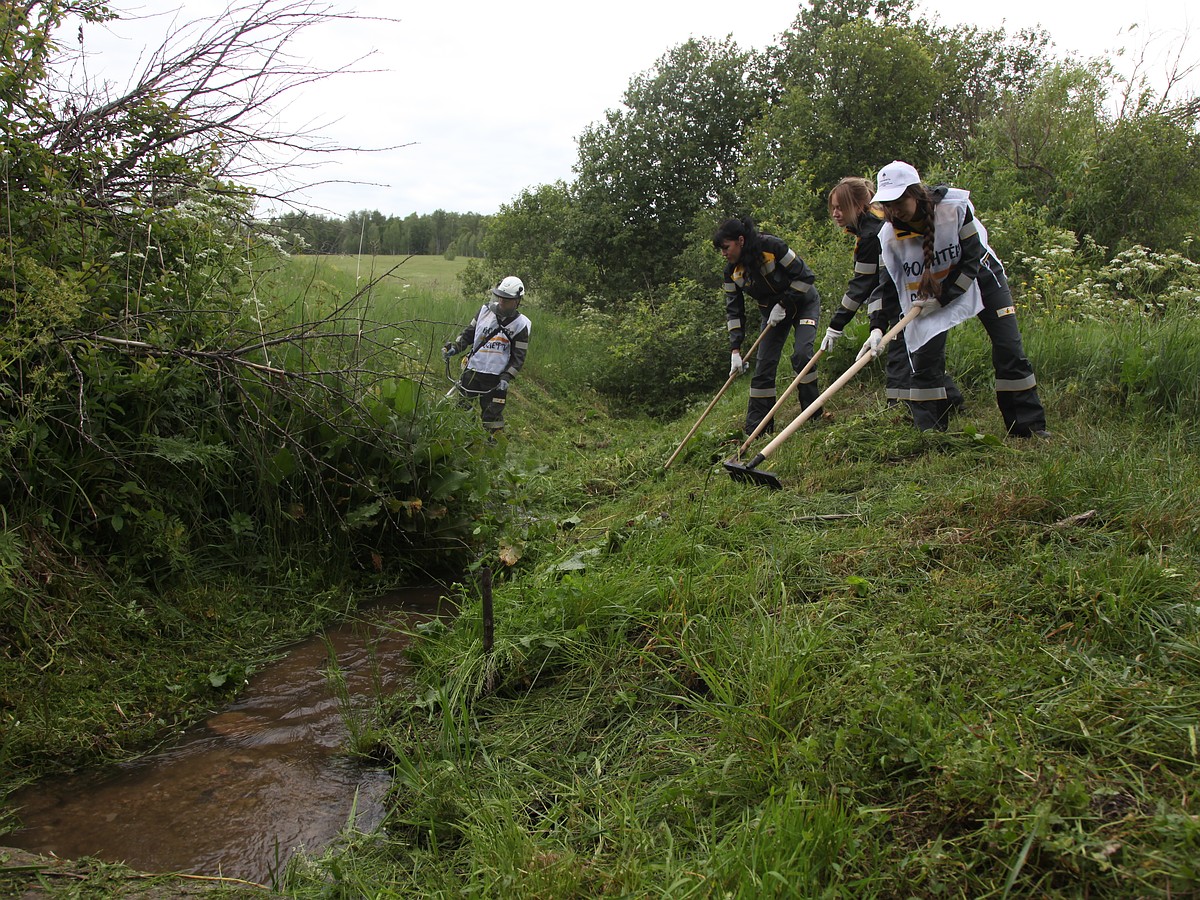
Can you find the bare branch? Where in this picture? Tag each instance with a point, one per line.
(221, 85)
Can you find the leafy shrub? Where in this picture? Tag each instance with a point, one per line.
(662, 348)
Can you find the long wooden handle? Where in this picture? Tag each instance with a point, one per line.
(778, 403)
(837, 385)
(713, 402)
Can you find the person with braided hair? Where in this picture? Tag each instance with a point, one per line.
(937, 258)
(783, 287)
(851, 209)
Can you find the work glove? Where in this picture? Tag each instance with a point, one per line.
(778, 314)
(831, 335)
(502, 386)
(871, 344)
(449, 350)
(928, 306)
(736, 366)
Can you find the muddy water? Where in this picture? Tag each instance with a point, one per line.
(238, 794)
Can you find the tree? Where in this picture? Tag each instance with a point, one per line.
(1128, 175)
(865, 96)
(150, 405)
(647, 170)
(526, 238)
(862, 83)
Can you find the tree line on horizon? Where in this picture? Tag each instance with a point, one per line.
(439, 233)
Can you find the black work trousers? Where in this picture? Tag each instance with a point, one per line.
(485, 386)
(1016, 386)
(802, 321)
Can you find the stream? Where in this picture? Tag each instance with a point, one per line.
(238, 794)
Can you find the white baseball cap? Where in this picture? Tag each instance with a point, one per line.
(894, 179)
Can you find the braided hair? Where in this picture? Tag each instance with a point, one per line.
(743, 227)
(928, 286)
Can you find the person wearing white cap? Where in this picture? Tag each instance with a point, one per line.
(499, 339)
(851, 209)
(937, 258)
(783, 287)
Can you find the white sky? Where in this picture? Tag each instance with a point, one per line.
(490, 96)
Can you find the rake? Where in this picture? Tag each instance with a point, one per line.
(750, 473)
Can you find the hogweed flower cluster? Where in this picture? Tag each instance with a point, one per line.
(1137, 281)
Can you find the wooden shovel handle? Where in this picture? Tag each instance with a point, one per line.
(837, 385)
(778, 403)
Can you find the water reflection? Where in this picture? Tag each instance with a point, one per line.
(237, 795)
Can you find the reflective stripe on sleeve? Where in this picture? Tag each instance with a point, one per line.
(849, 303)
(969, 229)
(864, 268)
(963, 281)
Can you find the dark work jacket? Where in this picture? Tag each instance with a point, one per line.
(866, 267)
(782, 278)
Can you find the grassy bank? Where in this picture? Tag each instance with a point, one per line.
(933, 665)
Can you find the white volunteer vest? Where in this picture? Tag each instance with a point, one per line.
(905, 261)
(493, 356)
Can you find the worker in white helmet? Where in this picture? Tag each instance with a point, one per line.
(498, 339)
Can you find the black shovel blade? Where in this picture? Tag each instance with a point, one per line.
(750, 475)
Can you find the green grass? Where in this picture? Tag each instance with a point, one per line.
(431, 274)
(948, 665)
(933, 665)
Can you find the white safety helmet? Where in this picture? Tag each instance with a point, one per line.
(511, 288)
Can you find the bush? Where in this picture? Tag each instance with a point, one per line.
(663, 348)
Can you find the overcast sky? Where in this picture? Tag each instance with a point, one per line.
(489, 97)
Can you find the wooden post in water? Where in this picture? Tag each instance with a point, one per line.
(488, 623)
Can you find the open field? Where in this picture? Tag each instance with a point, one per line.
(431, 273)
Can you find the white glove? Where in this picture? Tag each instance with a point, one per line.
(928, 306)
(871, 344)
(502, 385)
(778, 314)
(831, 335)
(736, 366)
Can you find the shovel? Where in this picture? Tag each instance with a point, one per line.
(724, 388)
(778, 403)
(749, 472)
